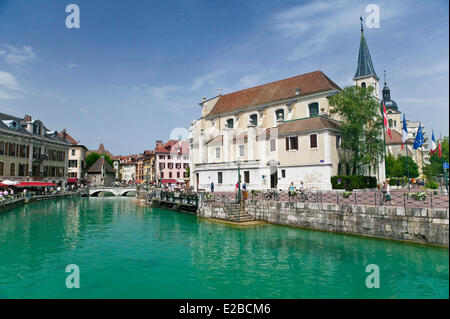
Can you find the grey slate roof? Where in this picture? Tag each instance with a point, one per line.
(365, 66)
(22, 130)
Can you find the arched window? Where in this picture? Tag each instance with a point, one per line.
(313, 109)
(363, 84)
(279, 114)
(12, 171)
(2, 165)
(253, 119)
(230, 123)
(390, 122)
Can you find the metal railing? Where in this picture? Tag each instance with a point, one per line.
(397, 198)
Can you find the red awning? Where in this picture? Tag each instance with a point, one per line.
(34, 184)
(171, 181)
(3, 185)
(72, 180)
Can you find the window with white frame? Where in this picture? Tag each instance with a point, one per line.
(292, 143)
(230, 123)
(313, 141)
(241, 150)
(253, 119)
(313, 109)
(217, 152)
(279, 114)
(273, 145)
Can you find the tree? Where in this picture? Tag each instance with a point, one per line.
(435, 168)
(362, 126)
(188, 171)
(399, 167)
(94, 156)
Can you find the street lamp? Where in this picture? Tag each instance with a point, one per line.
(238, 162)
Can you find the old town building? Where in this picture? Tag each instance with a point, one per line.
(77, 160)
(172, 162)
(276, 133)
(30, 151)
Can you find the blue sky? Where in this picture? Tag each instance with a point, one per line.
(136, 70)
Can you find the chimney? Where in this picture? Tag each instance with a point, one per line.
(219, 92)
(159, 143)
(27, 118)
(64, 134)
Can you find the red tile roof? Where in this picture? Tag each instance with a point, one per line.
(307, 124)
(172, 146)
(68, 138)
(396, 138)
(308, 83)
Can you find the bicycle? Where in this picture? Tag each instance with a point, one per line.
(271, 195)
(305, 197)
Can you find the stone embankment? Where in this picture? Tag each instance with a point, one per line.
(7, 204)
(419, 225)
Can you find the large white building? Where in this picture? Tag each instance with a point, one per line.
(275, 133)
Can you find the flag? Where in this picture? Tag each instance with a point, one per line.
(440, 148)
(419, 138)
(405, 131)
(386, 121)
(433, 144)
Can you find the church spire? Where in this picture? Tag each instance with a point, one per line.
(365, 67)
(386, 90)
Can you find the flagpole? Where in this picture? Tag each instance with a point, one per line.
(407, 166)
(384, 140)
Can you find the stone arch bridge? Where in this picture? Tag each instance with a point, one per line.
(116, 191)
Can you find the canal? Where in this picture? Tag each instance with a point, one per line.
(124, 250)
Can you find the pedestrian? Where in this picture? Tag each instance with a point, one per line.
(212, 187)
(302, 187)
(291, 188)
(388, 191)
(244, 187)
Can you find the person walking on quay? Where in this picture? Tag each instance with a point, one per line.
(388, 191)
(302, 187)
(212, 187)
(291, 188)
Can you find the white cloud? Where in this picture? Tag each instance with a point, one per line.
(312, 27)
(17, 56)
(251, 80)
(8, 81)
(200, 81)
(71, 66)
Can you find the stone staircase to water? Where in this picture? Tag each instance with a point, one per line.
(238, 214)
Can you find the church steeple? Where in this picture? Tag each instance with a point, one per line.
(386, 90)
(365, 67)
(365, 75)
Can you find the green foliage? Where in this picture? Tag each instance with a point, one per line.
(434, 170)
(431, 184)
(351, 182)
(255, 192)
(362, 126)
(399, 167)
(188, 171)
(94, 156)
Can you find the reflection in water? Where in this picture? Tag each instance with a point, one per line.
(128, 251)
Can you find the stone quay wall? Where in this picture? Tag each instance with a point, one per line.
(419, 225)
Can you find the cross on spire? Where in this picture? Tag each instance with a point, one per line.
(362, 28)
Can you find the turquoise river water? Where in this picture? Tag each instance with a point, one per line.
(128, 251)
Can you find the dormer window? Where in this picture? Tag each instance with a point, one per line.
(36, 129)
(253, 119)
(279, 114)
(12, 124)
(363, 84)
(313, 109)
(230, 123)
